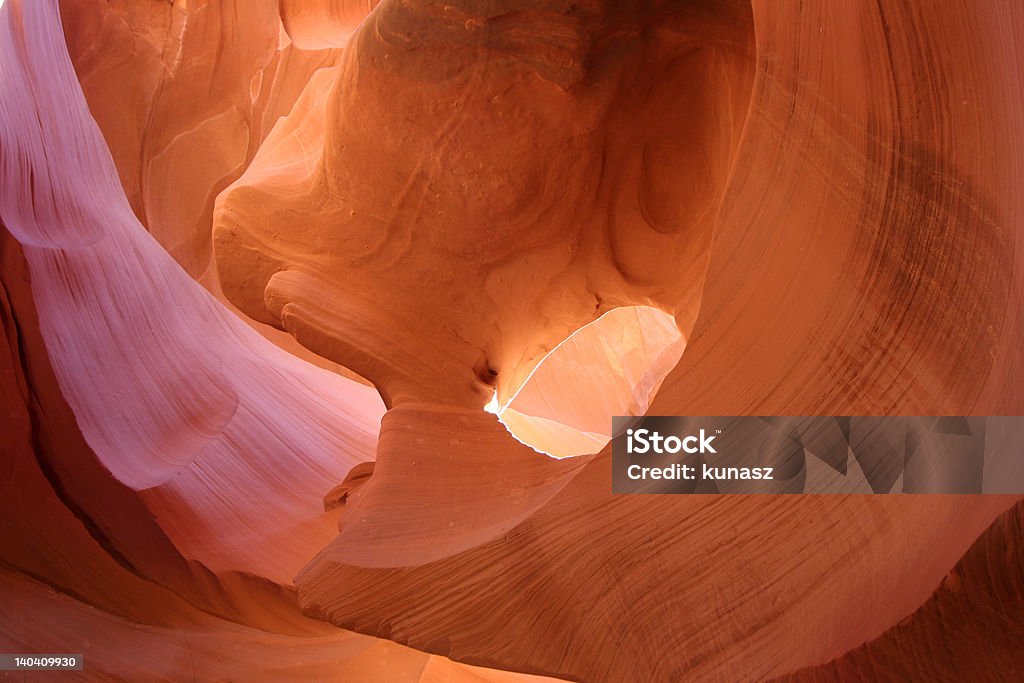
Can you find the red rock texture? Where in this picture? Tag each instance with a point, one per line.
(265, 264)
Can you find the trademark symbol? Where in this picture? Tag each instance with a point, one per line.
(718, 431)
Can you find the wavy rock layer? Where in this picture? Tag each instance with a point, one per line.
(819, 298)
(88, 569)
(185, 93)
(969, 629)
(434, 197)
(485, 249)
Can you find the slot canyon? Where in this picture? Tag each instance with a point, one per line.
(316, 314)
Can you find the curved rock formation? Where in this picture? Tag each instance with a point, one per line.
(817, 200)
(485, 249)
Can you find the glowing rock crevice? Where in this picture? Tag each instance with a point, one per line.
(612, 366)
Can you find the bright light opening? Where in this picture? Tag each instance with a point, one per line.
(612, 366)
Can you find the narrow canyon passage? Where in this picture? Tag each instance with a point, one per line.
(316, 313)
